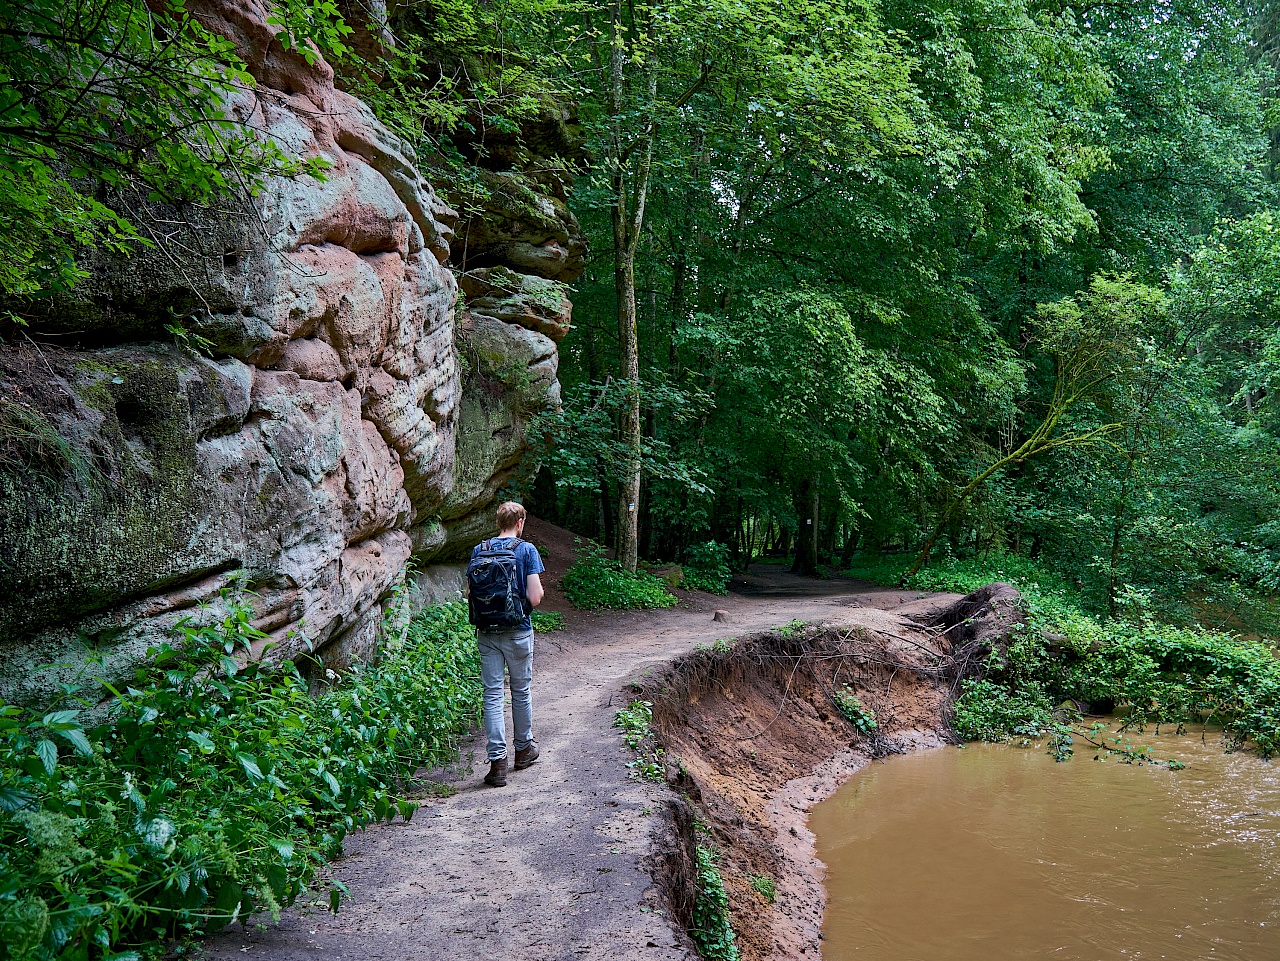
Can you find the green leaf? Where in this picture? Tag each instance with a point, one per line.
(60, 720)
(202, 740)
(250, 765)
(283, 848)
(11, 799)
(76, 737)
(47, 751)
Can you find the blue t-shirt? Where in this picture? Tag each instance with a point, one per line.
(528, 561)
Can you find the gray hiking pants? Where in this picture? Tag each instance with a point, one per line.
(512, 651)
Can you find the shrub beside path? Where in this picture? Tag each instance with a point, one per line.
(551, 866)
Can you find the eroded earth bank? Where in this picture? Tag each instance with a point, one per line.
(755, 732)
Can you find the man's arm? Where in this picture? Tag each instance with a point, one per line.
(533, 589)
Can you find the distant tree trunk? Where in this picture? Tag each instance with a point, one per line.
(606, 513)
(805, 499)
(629, 167)
(828, 547)
(851, 539)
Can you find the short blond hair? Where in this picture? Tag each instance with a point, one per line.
(509, 515)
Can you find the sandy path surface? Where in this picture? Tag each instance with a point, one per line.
(553, 865)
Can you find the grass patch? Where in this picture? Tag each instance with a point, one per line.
(595, 582)
(764, 887)
(29, 443)
(216, 788)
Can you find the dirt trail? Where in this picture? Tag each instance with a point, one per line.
(552, 866)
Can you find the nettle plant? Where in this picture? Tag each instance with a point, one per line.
(216, 787)
(594, 581)
(707, 567)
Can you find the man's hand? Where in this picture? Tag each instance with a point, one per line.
(533, 589)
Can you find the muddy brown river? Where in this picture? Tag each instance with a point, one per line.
(997, 853)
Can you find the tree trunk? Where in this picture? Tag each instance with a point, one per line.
(629, 190)
(805, 500)
(629, 368)
(851, 538)
(606, 512)
(829, 533)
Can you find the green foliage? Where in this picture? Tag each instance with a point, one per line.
(721, 645)
(706, 568)
(712, 932)
(987, 711)
(793, 628)
(578, 440)
(764, 886)
(851, 709)
(31, 445)
(634, 723)
(217, 785)
(547, 621)
(1158, 673)
(593, 581)
(110, 104)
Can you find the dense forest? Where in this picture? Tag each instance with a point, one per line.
(919, 277)
(936, 278)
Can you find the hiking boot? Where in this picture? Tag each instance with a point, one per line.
(526, 756)
(497, 776)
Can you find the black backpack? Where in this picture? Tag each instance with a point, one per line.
(495, 601)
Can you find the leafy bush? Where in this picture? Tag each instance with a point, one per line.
(1157, 672)
(853, 711)
(707, 568)
(595, 582)
(545, 622)
(987, 711)
(711, 931)
(216, 787)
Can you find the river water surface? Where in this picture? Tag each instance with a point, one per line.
(997, 853)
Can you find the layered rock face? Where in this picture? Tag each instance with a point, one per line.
(346, 420)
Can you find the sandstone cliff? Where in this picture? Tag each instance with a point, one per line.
(347, 416)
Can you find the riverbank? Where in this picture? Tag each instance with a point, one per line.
(561, 863)
(753, 736)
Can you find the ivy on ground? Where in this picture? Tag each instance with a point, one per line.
(216, 787)
(711, 931)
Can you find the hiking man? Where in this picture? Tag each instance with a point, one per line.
(503, 588)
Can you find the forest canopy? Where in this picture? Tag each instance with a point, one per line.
(919, 276)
